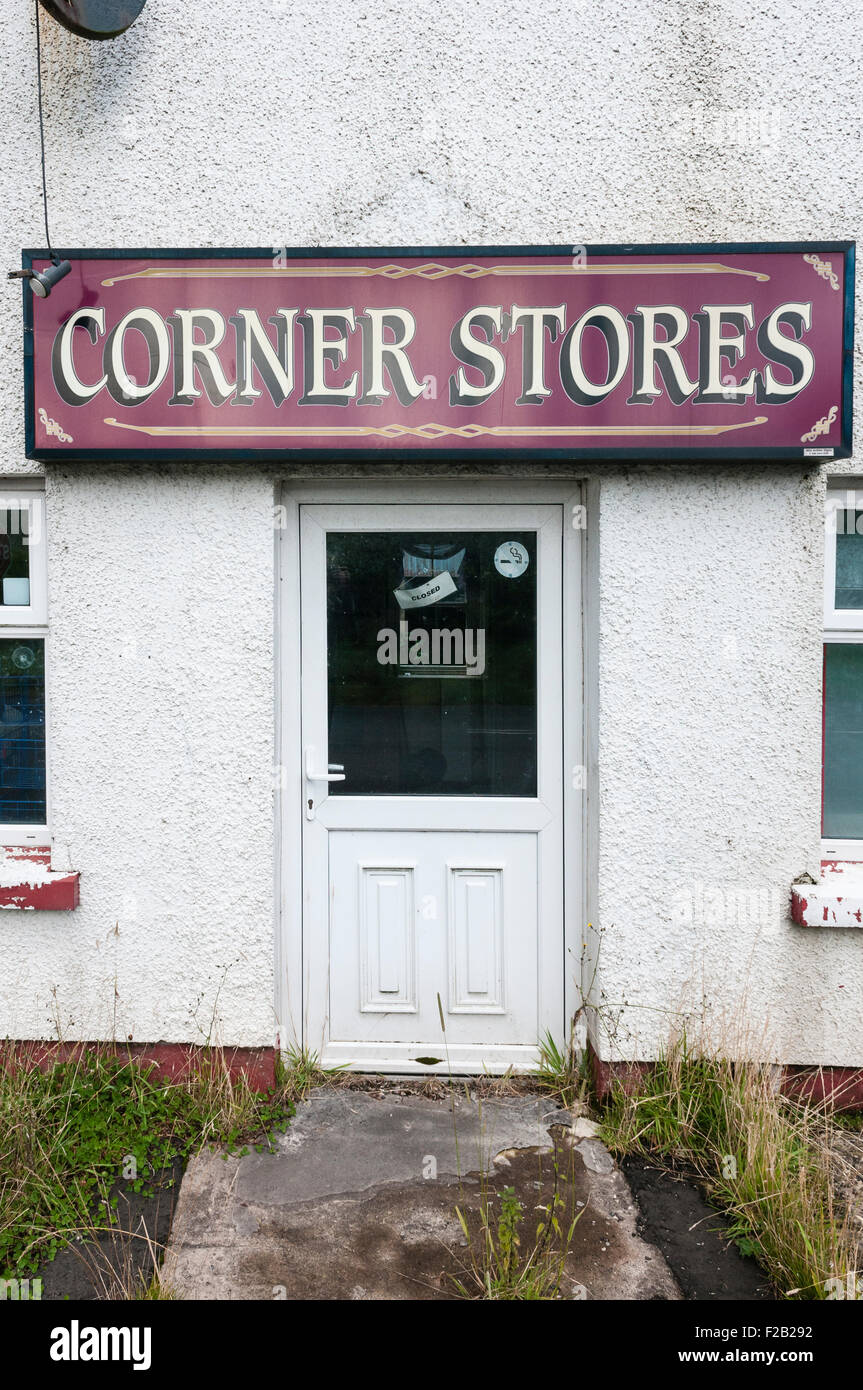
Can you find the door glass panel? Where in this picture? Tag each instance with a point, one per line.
(431, 654)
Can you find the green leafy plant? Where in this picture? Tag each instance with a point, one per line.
(505, 1266)
(72, 1132)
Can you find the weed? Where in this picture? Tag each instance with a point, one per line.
(852, 1120)
(69, 1134)
(154, 1289)
(500, 1266)
(299, 1071)
(561, 1072)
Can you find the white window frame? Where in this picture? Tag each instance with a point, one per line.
(30, 620)
(840, 625)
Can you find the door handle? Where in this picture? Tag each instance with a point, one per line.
(335, 771)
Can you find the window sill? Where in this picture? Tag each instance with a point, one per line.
(837, 901)
(27, 881)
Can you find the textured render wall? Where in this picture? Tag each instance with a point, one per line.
(161, 700)
(709, 752)
(423, 123)
(420, 123)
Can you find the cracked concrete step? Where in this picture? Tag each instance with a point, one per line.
(359, 1201)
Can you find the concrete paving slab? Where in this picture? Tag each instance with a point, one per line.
(359, 1202)
(350, 1142)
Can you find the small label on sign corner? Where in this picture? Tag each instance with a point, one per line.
(818, 453)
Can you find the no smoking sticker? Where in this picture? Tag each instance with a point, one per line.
(511, 559)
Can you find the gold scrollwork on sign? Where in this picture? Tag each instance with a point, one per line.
(427, 431)
(821, 426)
(430, 270)
(822, 268)
(52, 428)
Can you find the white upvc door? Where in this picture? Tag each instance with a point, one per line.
(431, 668)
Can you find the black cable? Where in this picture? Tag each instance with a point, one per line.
(42, 132)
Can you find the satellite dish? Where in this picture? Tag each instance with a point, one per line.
(95, 19)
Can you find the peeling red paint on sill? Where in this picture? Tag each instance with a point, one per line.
(30, 854)
(819, 905)
(27, 881)
(841, 866)
(57, 893)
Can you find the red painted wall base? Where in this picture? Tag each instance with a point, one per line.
(608, 1075)
(843, 1085)
(171, 1060)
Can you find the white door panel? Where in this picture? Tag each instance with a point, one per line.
(446, 917)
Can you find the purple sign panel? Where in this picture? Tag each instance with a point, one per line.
(631, 352)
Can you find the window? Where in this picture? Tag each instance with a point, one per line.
(842, 809)
(23, 633)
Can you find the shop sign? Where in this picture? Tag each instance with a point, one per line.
(649, 353)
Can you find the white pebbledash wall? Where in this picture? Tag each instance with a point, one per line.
(301, 122)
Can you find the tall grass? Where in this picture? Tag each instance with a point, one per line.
(562, 1072)
(299, 1071)
(768, 1161)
